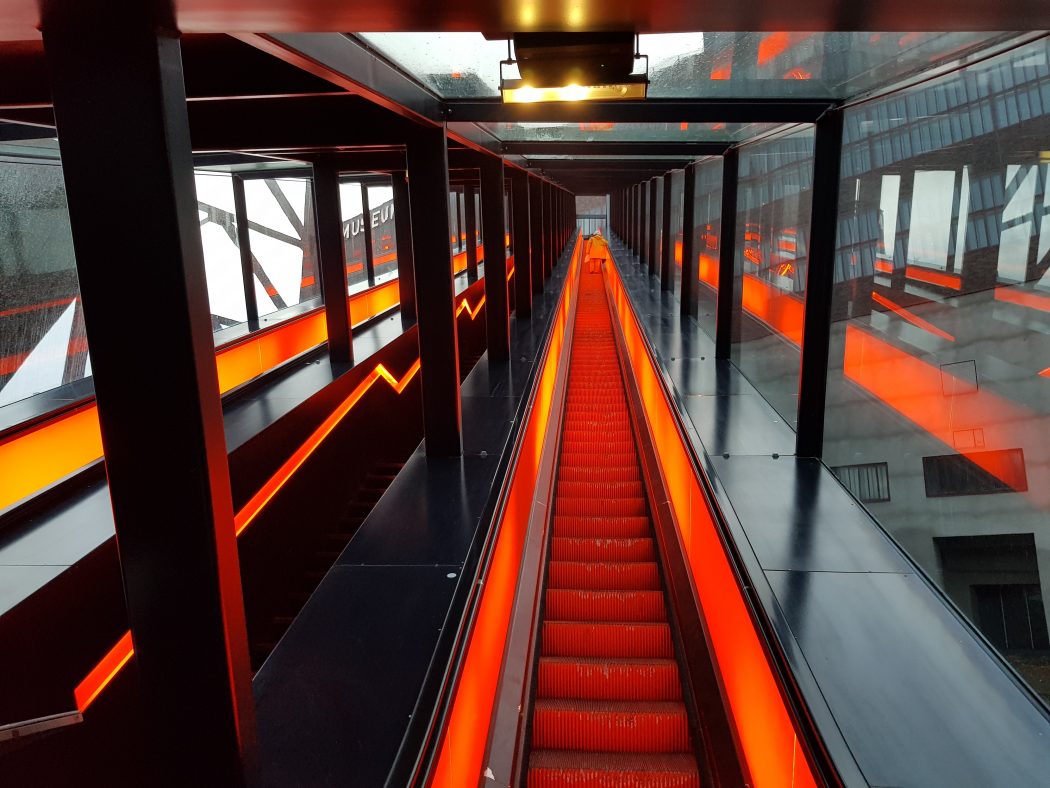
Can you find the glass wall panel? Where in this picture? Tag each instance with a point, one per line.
(283, 242)
(939, 374)
(222, 254)
(774, 200)
(351, 208)
(707, 229)
(677, 195)
(42, 341)
(384, 239)
(657, 185)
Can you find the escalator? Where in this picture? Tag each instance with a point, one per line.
(608, 708)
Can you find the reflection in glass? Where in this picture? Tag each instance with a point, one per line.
(42, 340)
(677, 195)
(283, 242)
(222, 255)
(384, 239)
(774, 201)
(707, 229)
(940, 340)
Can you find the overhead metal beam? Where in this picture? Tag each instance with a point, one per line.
(608, 165)
(684, 150)
(648, 111)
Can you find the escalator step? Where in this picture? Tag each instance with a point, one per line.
(621, 725)
(580, 473)
(609, 679)
(583, 526)
(595, 549)
(568, 604)
(572, 769)
(622, 576)
(600, 639)
(604, 488)
(594, 507)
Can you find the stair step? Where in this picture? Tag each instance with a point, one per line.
(611, 527)
(566, 604)
(598, 678)
(580, 473)
(604, 576)
(598, 549)
(576, 769)
(624, 726)
(606, 639)
(593, 507)
(601, 489)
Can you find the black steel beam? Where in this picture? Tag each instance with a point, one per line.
(648, 111)
(816, 328)
(727, 307)
(536, 225)
(366, 232)
(497, 307)
(607, 165)
(240, 208)
(166, 461)
(684, 150)
(666, 239)
(521, 240)
(471, 223)
(654, 250)
(435, 292)
(689, 250)
(332, 253)
(406, 269)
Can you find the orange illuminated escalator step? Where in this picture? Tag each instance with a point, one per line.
(570, 769)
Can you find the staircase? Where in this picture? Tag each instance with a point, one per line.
(608, 709)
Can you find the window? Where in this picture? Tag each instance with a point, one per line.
(869, 482)
(975, 473)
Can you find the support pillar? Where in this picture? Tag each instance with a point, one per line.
(166, 459)
(406, 271)
(666, 240)
(654, 249)
(332, 252)
(727, 308)
(497, 308)
(428, 188)
(539, 265)
(820, 276)
(521, 243)
(366, 229)
(471, 223)
(689, 250)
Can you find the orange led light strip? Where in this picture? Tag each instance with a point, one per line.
(950, 281)
(117, 657)
(251, 510)
(911, 317)
(465, 307)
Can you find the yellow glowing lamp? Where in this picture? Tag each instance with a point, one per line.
(514, 92)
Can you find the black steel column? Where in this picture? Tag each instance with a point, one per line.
(497, 308)
(727, 307)
(689, 250)
(539, 265)
(816, 328)
(366, 229)
(632, 195)
(654, 250)
(552, 231)
(165, 450)
(406, 270)
(240, 208)
(332, 252)
(471, 222)
(643, 227)
(666, 241)
(427, 156)
(521, 241)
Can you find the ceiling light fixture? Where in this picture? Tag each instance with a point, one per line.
(574, 67)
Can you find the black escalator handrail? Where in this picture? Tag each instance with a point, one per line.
(840, 768)
(20, 730)
(422, 769)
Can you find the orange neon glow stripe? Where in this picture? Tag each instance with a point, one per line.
(911, 317)
(251, 510)
(1045, 373)
(18, 310)
(884, 266)
(1025, 298)
(117, 657)
(104, 672)
(950, 281)
(779, 310)
(465, 307)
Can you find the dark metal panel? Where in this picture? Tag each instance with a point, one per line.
(521, 243)
(652, 256)
(497, 306)
(366, 232)
(816, 330)
(727, 310)
(667, 241)
(332, 252)
(803, 519)
(919, 701)
(471, 224)
(332, 712)
(174, 513)
(648, 111)
(689, 251)
(438, 352)
(406, 267)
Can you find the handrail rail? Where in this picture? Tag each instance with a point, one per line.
(20, 730)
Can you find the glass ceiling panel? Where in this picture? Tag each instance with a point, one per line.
(626, 132)
(707, 65)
